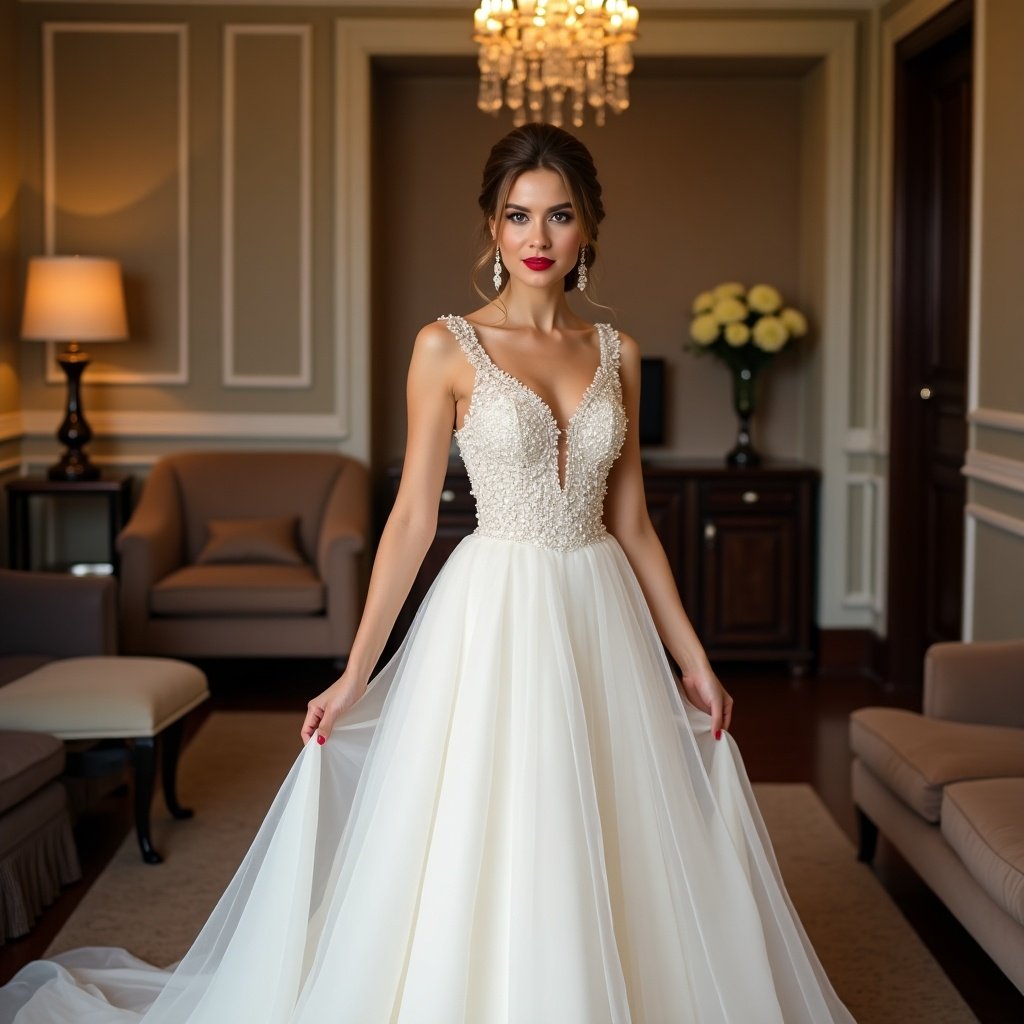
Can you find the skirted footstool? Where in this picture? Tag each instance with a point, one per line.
(127, 706)
(37, 848)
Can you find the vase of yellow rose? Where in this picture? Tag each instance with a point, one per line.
(745, 329)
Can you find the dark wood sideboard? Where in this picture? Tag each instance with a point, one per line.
(742, 544)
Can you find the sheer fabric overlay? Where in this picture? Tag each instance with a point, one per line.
(521, 821)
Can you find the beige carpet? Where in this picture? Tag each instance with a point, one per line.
(231, 771)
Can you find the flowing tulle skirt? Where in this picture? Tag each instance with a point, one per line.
(521, 822)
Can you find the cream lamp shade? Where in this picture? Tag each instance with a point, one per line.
(74, 298)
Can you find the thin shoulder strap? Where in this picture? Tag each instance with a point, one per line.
(609, 347)
(467, 340)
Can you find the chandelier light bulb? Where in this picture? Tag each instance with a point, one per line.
(538, 54)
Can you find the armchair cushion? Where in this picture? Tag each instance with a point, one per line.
(258, 540)
(239, 590)
(982, 822)
(916, 756)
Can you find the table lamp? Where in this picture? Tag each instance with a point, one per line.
(74, 299)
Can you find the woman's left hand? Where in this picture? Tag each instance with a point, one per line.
(703, 689)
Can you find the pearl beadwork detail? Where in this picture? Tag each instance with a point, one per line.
(509, 441)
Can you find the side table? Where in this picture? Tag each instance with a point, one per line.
(115, 489)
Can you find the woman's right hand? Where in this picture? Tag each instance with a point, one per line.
(324, 709)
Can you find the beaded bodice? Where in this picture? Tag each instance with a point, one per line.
(509, 442)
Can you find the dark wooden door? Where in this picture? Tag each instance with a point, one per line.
(931, 249)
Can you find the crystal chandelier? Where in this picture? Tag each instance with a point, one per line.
(574, 48)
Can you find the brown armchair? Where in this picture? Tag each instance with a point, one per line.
(177, 601)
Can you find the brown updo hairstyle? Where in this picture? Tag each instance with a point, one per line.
(534, 147)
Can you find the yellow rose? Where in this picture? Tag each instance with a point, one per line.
(770, 334)
(703, 303)
(794, 322)
(737, 334)
(704, 329)
(729, 290)
(729, 310)
(764, 298)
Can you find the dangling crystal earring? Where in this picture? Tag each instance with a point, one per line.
(581, 275)
(497, 270)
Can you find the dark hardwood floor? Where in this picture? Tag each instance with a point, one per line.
(789, 730)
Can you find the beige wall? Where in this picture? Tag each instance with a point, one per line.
(249, 222)
(199, 153)
(702, 183)
(737, 163)
(996, 497)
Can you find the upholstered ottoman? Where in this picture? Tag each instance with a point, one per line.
(37, 849)
(138, 700)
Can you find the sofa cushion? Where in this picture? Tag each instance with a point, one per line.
(239, 590)
(916, 756)
(14, 666)
(271, 539)
(984, 823)
(28, 761)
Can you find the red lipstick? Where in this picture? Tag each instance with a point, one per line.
(539, 263)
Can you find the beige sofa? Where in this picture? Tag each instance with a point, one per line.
(263, 602)
(946, 788)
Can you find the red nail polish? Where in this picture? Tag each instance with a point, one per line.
(321, 740)
(718, 734)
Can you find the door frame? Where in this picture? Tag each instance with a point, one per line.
(902, 582)
(902, 23)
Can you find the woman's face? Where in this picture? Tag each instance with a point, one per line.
(537, 231)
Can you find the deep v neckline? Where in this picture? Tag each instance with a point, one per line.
(533, 394)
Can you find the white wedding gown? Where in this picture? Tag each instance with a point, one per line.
(521, 822)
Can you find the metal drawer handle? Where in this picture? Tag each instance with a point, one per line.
(750, 497)
(447, 495)
(710, 532)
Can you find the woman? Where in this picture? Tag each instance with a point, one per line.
(520, 819)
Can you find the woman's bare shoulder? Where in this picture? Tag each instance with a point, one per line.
(436, 340)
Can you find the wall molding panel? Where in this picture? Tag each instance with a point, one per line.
(312, 426)
(865, 441)
(265, 242)
(868, 491)
(53, 205)
(999, 419)
(992, 517)
(995, 469)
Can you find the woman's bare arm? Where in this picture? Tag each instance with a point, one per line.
(628, 521)
(411, 525)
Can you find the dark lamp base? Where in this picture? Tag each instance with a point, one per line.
(74, 432)
(73, 465)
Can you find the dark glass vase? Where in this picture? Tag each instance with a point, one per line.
(744, 389)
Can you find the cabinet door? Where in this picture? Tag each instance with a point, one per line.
(666, 507)
(749, 580)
